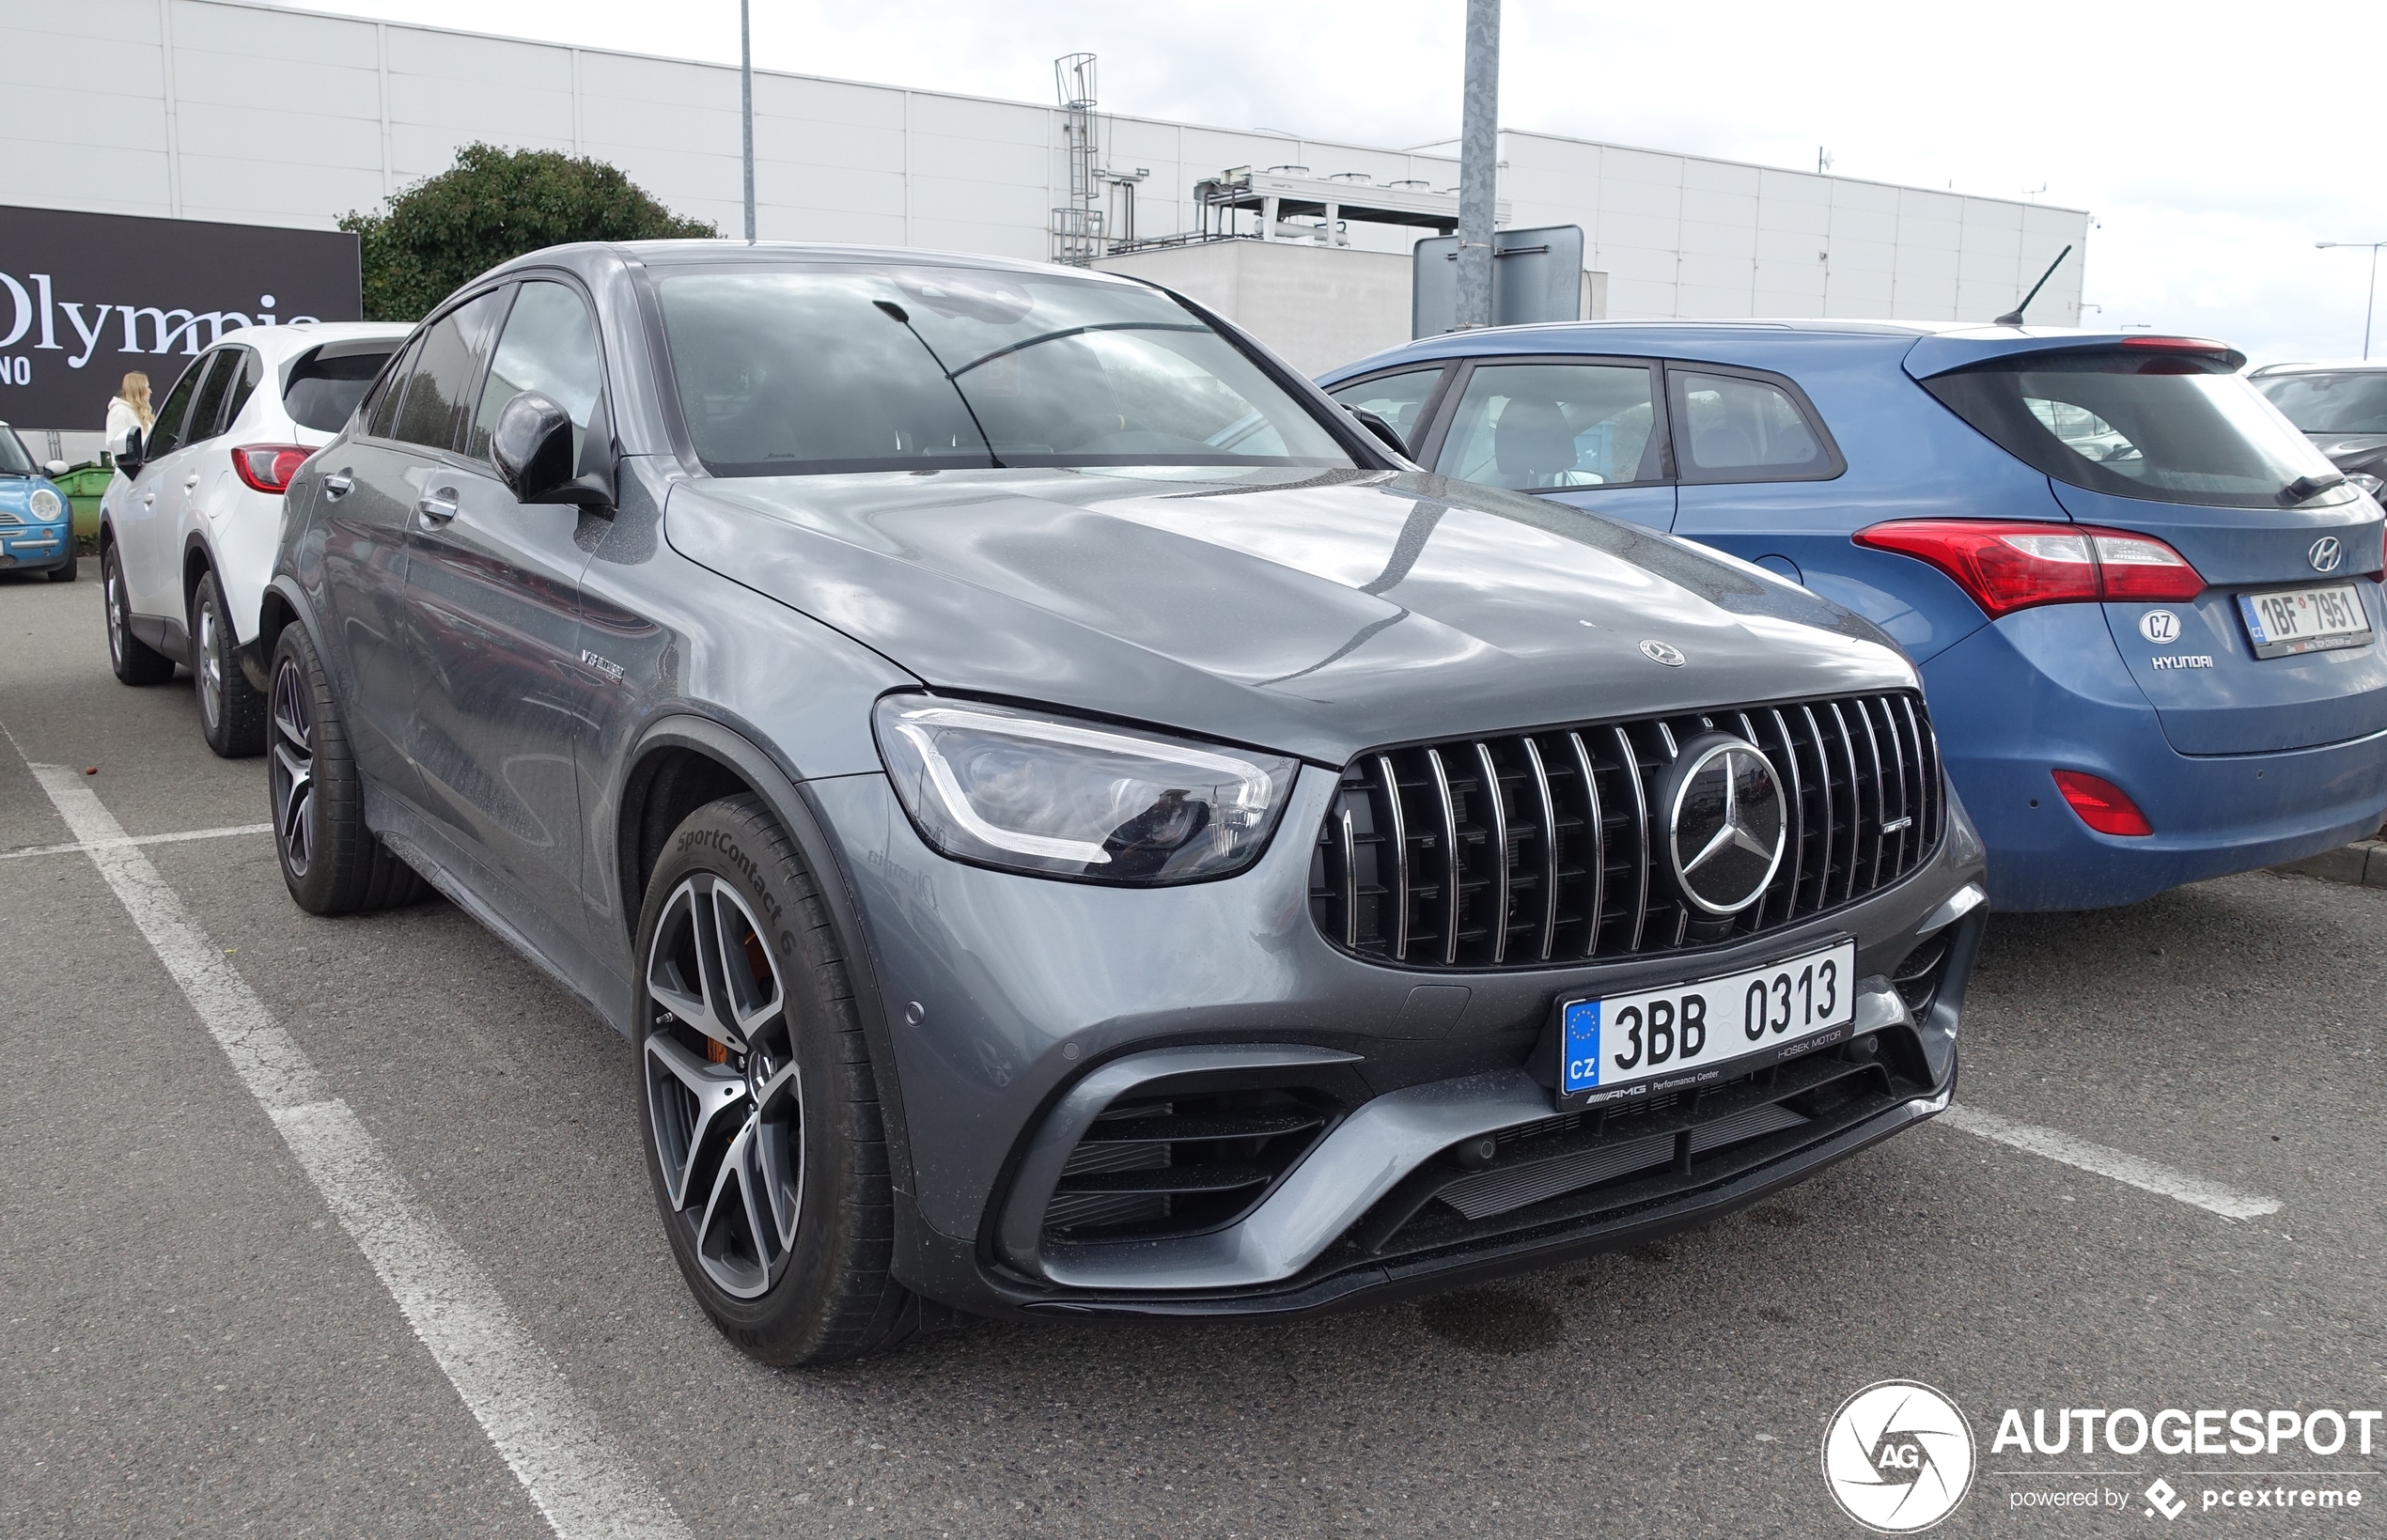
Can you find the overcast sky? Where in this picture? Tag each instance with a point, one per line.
(2212, 144)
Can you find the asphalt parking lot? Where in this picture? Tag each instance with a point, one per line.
(196, 1345)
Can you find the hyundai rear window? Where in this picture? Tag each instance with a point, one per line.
(863, 367)
(2174, 428)
(2354, 401)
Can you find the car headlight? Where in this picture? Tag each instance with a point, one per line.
(1072, 799)
(2364, 480)
(43, 505)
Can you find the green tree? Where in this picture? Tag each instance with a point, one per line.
(495, 205)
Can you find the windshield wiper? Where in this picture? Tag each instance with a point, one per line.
(897, 312)
(2307, 487)
(1080, 330)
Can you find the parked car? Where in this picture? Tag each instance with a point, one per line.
(1070, 823)
(2147, 613)
(188, 526)
(2341, 406)
(35, 533)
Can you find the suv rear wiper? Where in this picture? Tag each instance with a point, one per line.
(2306, 487)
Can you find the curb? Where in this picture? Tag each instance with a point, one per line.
(2362, 864)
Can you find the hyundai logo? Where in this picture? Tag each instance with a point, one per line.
(1726, 823)
(2326, 553)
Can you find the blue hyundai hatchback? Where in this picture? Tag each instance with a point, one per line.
(2145, 608)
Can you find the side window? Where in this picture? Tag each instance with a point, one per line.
(439, 394)
(549, 346)
(207, 408)
(1399, 399)
(1732, 428)
(244, 384)
(326, 384)
(1538, 426)
(381, 416)
(165, 434)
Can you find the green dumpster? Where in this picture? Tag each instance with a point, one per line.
(84, 485)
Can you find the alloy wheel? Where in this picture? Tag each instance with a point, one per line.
(114, 602)
(292, 772)
(210, 666)
(723, 1089)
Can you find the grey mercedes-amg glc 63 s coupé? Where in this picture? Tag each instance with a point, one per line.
(1073, 823)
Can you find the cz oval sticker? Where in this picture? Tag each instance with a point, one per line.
(2161, 627)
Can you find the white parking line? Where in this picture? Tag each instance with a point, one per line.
(2057, 1145)
(522, 1401)
(80, 846)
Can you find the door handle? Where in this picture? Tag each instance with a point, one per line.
(149, 500)
(437, 508)
(335, 486)
(189, 482)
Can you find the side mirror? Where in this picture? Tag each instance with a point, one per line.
(533, 450)
(55, 467)
(129, 458)
(1382, 429)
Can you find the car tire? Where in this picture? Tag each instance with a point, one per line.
(768, 1160)
(331, 862)
(68, 571)
(135, 661)
(232, 711)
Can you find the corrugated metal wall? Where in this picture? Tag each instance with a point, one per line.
(209, 109)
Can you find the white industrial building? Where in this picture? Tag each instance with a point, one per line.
(234, 111)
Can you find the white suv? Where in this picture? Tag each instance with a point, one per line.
(188, 528)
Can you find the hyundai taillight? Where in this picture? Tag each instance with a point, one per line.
(2008, 566)
(268, 467)
(2102, 805)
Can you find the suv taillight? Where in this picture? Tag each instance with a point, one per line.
(268, 467)
(2008, 566)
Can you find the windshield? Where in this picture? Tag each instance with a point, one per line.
(14, 460)
(2171, 426)
(862, 368)
(2353, 402)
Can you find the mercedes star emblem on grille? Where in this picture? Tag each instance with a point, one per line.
(2326, 553)
(1726, 824)
(1658, 652)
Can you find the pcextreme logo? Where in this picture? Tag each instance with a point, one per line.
(1897, 1457)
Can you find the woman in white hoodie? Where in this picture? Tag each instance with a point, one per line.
(129, 410)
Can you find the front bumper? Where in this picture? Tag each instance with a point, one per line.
(1027, 991)
(34, 546)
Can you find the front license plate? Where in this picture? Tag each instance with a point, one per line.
(2292, 620)
(1689, 1035)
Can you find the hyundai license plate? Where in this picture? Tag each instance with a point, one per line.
(2292, 620)
(1691, 1034)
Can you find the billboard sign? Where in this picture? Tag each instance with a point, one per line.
(85, 298)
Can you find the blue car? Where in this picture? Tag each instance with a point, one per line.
(35, 524)
(2146, 609)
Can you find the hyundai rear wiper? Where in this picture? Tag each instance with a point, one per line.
(2306, 487)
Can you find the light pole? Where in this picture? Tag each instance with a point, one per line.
(2372, 302)
(746, 108)
(1478, 162)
